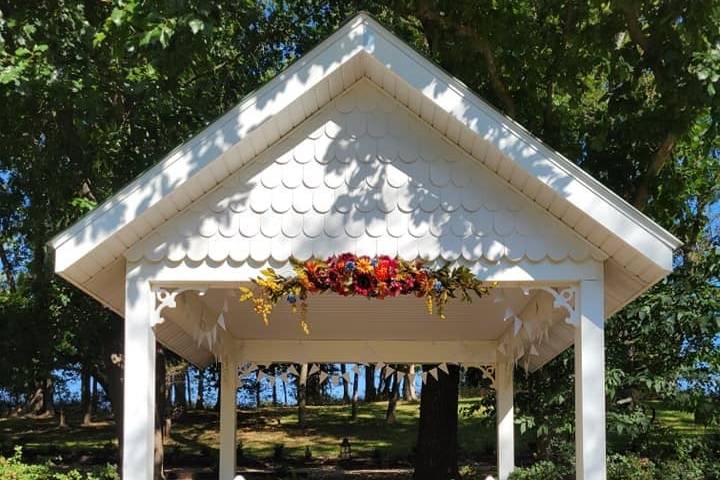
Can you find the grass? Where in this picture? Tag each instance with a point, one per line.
(194, 437)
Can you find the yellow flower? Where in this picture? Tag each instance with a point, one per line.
(363, 265)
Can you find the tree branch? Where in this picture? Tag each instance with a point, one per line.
(659, 159)
(7, 268)
(631, 13)
(428, 15)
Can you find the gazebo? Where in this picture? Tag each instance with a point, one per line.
(365, 146)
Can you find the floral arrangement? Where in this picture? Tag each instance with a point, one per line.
(347, 274)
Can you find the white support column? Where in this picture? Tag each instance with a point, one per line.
(138, 379)
(505, 418)
(228, 419)
(590, 383)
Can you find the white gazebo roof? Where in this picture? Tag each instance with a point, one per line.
(365, 146)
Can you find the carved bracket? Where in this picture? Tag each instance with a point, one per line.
(488, 372)
(165, 298)
(565, 298)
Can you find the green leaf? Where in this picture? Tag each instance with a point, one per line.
(196, 25)
(117, 16)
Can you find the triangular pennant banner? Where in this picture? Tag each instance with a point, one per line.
(292, 370)
(400, 375)
(346, 377)
(221, 320)
(323, 377)
(313, 369)
(389, 371)
(517, 325)
(444, 368)
(379, 365)
(423, 375)
(434, 373)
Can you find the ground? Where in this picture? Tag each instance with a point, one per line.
(270, 444)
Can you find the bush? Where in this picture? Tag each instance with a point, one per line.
(543, 470)
(630, 467)
(14, 468)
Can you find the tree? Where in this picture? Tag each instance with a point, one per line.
(370, 392)
(436, 453)
(302, 395)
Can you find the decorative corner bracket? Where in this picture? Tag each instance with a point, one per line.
(488, 372)
(165, 298)
(565, 298)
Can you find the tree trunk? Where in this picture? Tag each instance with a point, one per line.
(258, 387)
(436, 454)
(370, 392)
(85, 397)
(346, 389)
(200, 403)
(161, 394)
(95, 397)
(48, 394)
(274, 386)
(302, 394)
(381, 383)
(409, 394)
(188, 387)
(180, 390)
(394, 394)
(355, 393)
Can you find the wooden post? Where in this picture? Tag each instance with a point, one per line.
(228, 419)
(590, 382)
(505, 417)
(139, 379)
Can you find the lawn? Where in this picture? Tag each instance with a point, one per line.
(263, 433)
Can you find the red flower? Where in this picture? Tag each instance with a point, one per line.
(385, 268)
(364, 284)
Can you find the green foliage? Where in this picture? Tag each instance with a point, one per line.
(91, 94)
(630, 467)
(14, 468)
(543, 470)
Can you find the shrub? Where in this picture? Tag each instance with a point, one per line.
(14, 468)
(630, 467)
(543, 470)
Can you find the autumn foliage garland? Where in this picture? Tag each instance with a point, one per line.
(348, 274)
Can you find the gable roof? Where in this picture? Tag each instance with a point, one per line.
(90, 253)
